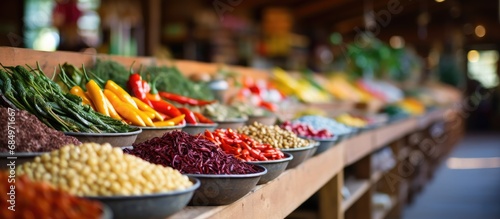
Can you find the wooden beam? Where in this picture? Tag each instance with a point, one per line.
(315, 7)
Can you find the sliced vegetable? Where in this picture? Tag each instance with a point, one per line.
(183, 99)
(120, 92)
(171, 122)
(78, 91)
(97, 97)
(112, 112)
(202, 119)
(126, 111)
(146, 108)
(190, 117)
(166, 108)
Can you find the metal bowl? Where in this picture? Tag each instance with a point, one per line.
(274, 167)
(231, 123)
(299, 155)
(224, 189)
(323, 143)
(151, 206)
(107, 213)
(266, 120)
(151, 132)
(342, 137)
(199, 128)
(20, 158)
(115, 139)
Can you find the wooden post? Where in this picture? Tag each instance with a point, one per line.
(330, 198)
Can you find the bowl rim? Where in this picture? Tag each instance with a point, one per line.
(196, 184)
(248, 175)
(23, 154)
(232, 120)
(288, 158)
(334, 138)
(262, 116)
(136, 132)
(308, 147)
(199, 125)
(160, 128)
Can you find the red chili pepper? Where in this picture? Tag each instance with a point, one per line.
(184, 100)
(190, 117)
(153, 93)
(166, 108)
(202, 119)
(135, 84)
(269, 106)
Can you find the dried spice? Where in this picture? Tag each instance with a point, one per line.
(31, 135)
(40, 200)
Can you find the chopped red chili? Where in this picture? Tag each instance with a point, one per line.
(242, 146)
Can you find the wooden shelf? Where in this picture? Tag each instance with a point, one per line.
(357, 188)
(376, 176)
(357, 147)
(388, 134)
(381, 213)
(280, 197)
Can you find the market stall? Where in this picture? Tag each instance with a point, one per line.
(348, 175)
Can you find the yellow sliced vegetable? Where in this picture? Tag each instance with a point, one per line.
(112, 111)
(145, 107)
(78, 91)
(120, 92)
(144, 117)
(164, 123)
(170, 122)
(124, 109)
(151, 115)
(97, 97)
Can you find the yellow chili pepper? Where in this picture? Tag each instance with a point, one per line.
(124, 109)
(145, 107)
(112, 111)
(78, 91)
(97, 97)
(171, 122)
(151, 115)
(120, 92)
(144, 117)
(164, 123)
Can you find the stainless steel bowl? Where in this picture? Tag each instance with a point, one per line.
(151, 206)
(224, 189)
(199, 128)
(151, 132)
(115, 139)
(231, 123)
(323, 143)
(274, 167)
(299, 154)
(266, 120)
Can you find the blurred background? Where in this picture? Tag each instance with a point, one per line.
(453, 41)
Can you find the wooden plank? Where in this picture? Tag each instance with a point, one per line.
(357, 147)
(330, 198)
(376, 176)
(381, 213)
(390, 133)
(280, 197)
(357, 188)
(48, 60)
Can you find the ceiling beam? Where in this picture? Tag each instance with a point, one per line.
(315, 7)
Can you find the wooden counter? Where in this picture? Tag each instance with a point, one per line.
(280, 197)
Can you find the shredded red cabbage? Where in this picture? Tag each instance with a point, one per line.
(189, 154)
